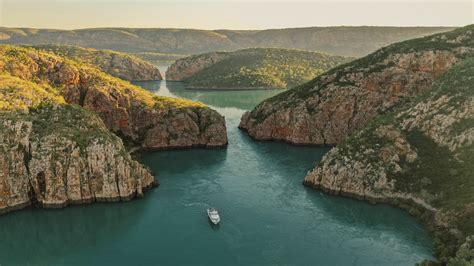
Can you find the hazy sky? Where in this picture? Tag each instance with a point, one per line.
(231, 14)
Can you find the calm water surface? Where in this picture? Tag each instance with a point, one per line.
(268, 217)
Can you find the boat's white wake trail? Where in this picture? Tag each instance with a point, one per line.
(196, 204)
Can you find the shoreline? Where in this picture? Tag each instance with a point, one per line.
(286, 141)
(210, 88)
(232, 88)
(136, 150)
(67, 203)
(426, 216)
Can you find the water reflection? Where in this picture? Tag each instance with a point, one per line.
(232, 98)
(188, 161)
(45, 236)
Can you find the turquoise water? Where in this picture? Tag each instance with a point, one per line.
(268, 217)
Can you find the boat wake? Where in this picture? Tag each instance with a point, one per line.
(196, 204)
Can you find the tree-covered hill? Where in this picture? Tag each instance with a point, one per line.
(253, 68)
(346, 41)
(121, 65)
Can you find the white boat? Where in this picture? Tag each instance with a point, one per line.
(213, 215)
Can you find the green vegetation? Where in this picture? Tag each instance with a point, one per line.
(85, 55)
(263, 68)
(40, 104)
(162, 101)
(48, 113)
(442, 174)
(122, 65)
(16, 94)
(374, 63)
(70, 122)
(422, 147)
(39, 67)
(34, 87)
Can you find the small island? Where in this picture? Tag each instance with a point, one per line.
(255, 68)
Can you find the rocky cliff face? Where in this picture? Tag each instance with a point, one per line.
(331, 107)
(138, 116)
(418, 158)
(185, 68)
(56, 122)
(117, 64)
(53, 154)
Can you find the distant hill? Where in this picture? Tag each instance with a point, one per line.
(121, 65)
(347, 41)
(254, 68)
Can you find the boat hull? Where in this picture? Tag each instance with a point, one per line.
(213, 217)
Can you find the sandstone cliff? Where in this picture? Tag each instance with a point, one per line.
(117, 64)
(418, 158)
(134, 114)
(185, 68)
(327, 109)
(53, 154)
(57, 119)
(255, 68)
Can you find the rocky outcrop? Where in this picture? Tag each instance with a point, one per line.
(191, 127)
(49, 163)
(161, 125)
(126, 67)
(121, 65)
(418, 158)
(56, 122)
(146, 120)
(331, 107)
(185, 68)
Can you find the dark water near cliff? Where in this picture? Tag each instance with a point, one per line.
(268, 217)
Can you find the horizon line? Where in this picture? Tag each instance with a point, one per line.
(232, 29)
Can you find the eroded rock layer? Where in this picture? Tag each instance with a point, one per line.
(138, 116)
(331, 107)
(57, 123)
(185, 68)
(53, 170)
(418, 158)
(53, 154)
